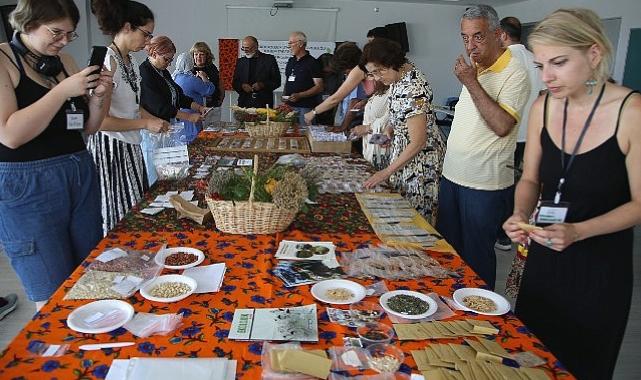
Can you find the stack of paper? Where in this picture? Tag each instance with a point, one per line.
(172, 368)
(443, 330)
(162, 201)
(482, 359)
(209, 277)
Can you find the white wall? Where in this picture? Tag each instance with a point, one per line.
(628, 10)
(433, 30)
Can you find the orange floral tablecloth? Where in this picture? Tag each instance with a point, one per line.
(248, 283)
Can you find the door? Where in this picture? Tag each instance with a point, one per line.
(632, 74)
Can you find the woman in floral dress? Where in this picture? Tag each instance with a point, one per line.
(417, 147)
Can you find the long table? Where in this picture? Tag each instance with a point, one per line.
(248, 283)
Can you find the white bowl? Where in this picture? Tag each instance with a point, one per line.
(431, 303)
(145, 291)
(502, 305)
(320, 289)
(79, 318)
(160, 257)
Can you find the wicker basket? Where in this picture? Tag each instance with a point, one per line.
(249, 217)
(270, 129)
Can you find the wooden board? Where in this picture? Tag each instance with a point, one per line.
(261, 144)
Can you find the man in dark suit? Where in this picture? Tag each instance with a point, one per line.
(256, 76)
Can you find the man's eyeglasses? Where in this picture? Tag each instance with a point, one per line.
(292, 43)
(57, 35)
(147, 34)
(247, 48)
(479, 38)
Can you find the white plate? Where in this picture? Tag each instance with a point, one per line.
(431, 310)
(78, 318)
(320, 289)
(168, 278)
(502, 305)
(160, 257)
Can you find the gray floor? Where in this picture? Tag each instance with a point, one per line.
(628, 366)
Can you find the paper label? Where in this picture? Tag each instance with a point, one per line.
(111, 254)
(351, 358)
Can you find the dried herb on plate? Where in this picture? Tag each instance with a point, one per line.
(408, 305)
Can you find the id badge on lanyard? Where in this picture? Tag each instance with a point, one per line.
(75, 118)
(551, 212)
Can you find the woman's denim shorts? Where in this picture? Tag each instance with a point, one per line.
(49, 218)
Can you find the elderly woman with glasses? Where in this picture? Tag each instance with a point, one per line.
(49, 194)
(417, 148)
(116, 148)
(162, 97)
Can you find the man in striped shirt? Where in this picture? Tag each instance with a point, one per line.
(476, 178)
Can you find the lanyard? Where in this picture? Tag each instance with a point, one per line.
(129, 76)
(566, 169)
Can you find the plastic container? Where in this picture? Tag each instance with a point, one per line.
(365, 312)
(375, 333)
(385, 358)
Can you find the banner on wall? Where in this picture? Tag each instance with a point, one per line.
(229, 51)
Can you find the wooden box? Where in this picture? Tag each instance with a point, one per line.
(329, 146)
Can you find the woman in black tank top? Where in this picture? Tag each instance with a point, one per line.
(46, 174)
(583, 159)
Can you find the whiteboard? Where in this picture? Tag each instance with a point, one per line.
(267, 23)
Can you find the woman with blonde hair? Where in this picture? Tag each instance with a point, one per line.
(583, 159)
(204, 67)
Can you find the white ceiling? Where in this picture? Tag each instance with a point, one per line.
(494, 3)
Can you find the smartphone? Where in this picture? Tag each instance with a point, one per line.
(378, 139)
(97, 57)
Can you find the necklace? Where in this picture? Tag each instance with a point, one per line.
(128, 72)
(172, 89)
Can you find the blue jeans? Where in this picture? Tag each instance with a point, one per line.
(468, 219)
(49, 218)
(301, 114)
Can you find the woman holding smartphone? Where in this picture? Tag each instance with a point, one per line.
(49, 194)
(116, 149)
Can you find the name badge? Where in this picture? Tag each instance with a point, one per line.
(551, 213)
(292, 78)
(75, 120)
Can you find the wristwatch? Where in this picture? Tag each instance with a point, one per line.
(314, 111)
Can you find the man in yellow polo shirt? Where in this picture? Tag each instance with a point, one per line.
(476, 177)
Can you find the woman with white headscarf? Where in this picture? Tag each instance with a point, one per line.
(195, 86)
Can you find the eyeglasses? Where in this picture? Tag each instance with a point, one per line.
(479, 38)
(247, 48)
(167, 60)
(147, 34)
(291, 43)
(57, 35)
(378, 72)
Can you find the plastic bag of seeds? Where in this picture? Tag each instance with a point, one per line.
(98, 284)
(140, 263)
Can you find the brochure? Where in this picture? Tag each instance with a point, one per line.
(293, 324)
